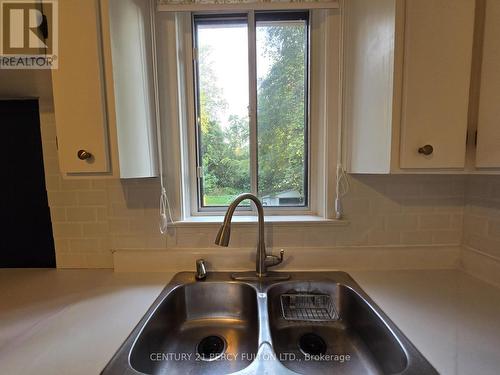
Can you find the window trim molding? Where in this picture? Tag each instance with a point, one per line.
(324, 115)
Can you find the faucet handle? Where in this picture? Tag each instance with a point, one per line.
(282, 253)
(273, 260)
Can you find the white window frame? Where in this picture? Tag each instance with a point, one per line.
(177, 96)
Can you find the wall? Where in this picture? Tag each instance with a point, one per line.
(19, 83)
(92, 217)
(481, 237)
(482, 214)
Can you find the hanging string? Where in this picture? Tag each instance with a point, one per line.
(164, 208)
(342, 189)
(343, 186)
(164, 203)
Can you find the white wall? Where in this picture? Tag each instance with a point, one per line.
(93, 217)
(482, 215)
(27, 83)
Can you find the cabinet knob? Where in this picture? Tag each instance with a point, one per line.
(83, 155)
(426, 150)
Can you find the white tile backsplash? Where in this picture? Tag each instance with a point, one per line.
(482, 215)
(94, 216)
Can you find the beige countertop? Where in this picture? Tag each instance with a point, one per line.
(72, 321)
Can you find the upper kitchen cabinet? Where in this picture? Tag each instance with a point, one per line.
(438, 40)
(407, 67)
(488, 120)
(78, 89)
(104, 89)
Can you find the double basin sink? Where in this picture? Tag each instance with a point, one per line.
(221, 326)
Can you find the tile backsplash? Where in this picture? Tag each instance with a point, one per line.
(93, 217)
(482, 214)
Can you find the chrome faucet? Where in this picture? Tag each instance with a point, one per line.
(263, 260)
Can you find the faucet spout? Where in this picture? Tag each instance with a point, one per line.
(262, 259)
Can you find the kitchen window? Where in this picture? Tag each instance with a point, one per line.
(251, 106)
(250, 102)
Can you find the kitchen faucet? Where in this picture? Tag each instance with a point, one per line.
(262, 259)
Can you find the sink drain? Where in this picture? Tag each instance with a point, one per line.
(211, 348)
(312, 344)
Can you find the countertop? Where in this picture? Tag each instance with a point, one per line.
(72, 321)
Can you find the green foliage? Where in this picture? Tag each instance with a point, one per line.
(224, 152)
(218, 200)
(280, 113)
(281, 151)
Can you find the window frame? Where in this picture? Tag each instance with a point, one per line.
(223, 18)
(174, 48)
(282, 16)
(195, 180)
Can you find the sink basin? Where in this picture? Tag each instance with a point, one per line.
(356, 341)
(196, 327)
(221, 326)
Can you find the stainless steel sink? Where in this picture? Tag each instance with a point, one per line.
(195, 325)
(358, 341)
(220, 326)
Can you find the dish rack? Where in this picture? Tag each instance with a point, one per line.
(308, 307)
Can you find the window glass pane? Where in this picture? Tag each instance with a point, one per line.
(281, 109)
(222, 100)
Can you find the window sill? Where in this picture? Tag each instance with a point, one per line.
(274, 220)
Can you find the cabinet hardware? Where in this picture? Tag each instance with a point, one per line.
(83, 155)
(426, 150)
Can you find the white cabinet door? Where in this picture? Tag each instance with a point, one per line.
(370, 28)
(132, 91)
(436, 78)
(78, 87)
(488, 127)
